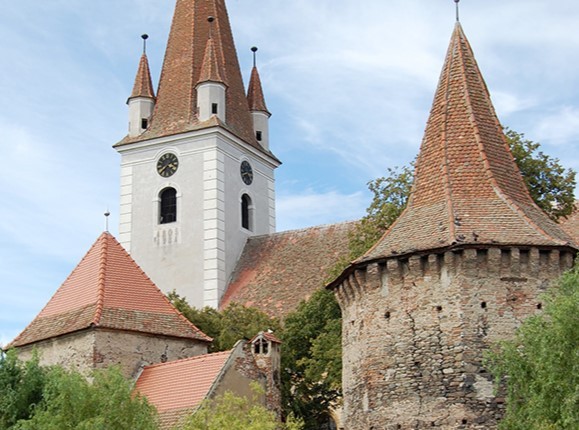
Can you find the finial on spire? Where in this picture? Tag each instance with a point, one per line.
(210, 20)
(254, 50)
(457, 15)
(144, 37)
(107, 214)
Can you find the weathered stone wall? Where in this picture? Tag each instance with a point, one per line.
(414, 332)
(131, 351)
(99, 348)
(74, 351)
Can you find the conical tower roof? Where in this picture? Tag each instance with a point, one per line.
(255, 97)
(468, 189)
(183, 68)
(143, 86)
(108, 289)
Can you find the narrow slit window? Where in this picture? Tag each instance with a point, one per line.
(214, 108)
(168, 206)
(144, 123)
(258, 136)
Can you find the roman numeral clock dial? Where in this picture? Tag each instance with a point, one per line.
(246, 172)
(167, 164)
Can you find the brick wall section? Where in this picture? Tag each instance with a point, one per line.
(415, 329)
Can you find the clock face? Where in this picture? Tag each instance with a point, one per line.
(246, 172)
(167, 164)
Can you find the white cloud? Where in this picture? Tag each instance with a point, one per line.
(561, 127)
(310, 208)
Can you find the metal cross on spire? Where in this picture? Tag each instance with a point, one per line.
(457, 10)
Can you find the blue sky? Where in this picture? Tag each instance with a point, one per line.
(350, 85)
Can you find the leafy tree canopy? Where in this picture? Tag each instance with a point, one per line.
(232, 412)
(541, 365)
(21, 388)
(312, 358)
(34, 397)
(228, 326)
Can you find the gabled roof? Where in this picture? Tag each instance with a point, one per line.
(255, 97)
(276, 272)
(108, 289)
(143, 86)
(468, 189)
(267, 336)
(177, 388)
(176, 105)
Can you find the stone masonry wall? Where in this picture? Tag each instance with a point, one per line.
(99, 348)
(414, 332)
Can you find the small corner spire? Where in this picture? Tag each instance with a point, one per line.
(144, 37)
(254, 50)
(457, 10)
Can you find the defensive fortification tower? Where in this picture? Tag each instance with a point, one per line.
(461, 268)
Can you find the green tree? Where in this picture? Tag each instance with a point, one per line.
(232, 412)
(541, 365)
(550, 184)
(21, 388)
(70, 401)
(312, 358)
(228, 326)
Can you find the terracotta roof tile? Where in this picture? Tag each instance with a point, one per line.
(175, 109)
(267, 336)
(276, 272)
(571, 223)
(176, 388)
(143, 86)
(468, 189)
(255, 97)
(108, 289)
(209, 66)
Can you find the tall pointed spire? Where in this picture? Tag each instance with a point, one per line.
(467, 189)
(255, 97)
(143, 86)
(184, 66)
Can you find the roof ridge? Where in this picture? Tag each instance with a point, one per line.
(103, 258)
(193, 358)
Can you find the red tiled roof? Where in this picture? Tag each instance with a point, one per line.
(468, 189)
(143, 84)
(175, 110)
(209, 67)
(267, 336)
(276, 272)
(108, 289)
(178, 387)
(571, 223)
(255, 97)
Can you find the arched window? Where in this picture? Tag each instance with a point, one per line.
(168, 206)
(246, 212)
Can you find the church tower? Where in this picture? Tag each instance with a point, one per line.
(460, 269)
(197, 178)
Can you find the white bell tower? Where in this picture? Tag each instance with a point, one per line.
(196, 182)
